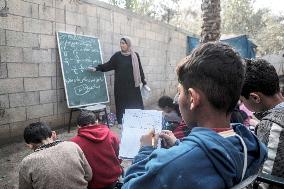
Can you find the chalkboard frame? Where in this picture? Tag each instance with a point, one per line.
(62, 70)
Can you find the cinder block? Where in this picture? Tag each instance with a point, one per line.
(22, 70)
(2, 37)
(73, 119)
(36, 84)
(39, 111)
(30, 40)
(31, 25)
(160, 37)
(91, 11)
(107, 26)
(108, 39)
(4, 133)
(20, 39)
(47, 69)
(13, 115)
(55, 57)
(11, 54)
(35, 11)
(59, 16)
(120, 17)
(24, 99)
(37, 55)
(70, 28)
(59, 27)
(4, 101)
(37, 26)
(20, 8)
(42, 2)
(79, 30)
(104, 13)
(17, 128)
(47, 41)
(46, 27)
(72, 18)
(76, 19)
(3, 71)
(48, 96)
(11, 85)
(57, 82)
(116, 28)
(125, 30)
(73, 6)
(140, 33)
(60, 4)
(61, 107)
(54, 121)
(61, 93)
(53, 83)
(46, 13)
(12, 22)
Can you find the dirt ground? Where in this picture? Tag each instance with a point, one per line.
(11, 156)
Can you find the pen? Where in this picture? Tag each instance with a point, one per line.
(153, 139)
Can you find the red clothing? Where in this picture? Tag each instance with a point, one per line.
(219, 130)
(181, 131)
(100, 147)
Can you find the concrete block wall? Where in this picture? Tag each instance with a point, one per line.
(31, 84)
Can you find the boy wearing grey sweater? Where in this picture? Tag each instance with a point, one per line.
(53, 164)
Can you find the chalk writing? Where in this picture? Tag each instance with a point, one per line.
(77, 53)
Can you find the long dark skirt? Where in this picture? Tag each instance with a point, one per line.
(127, 99)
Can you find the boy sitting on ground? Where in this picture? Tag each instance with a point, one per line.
(53, 164)
(101, 147)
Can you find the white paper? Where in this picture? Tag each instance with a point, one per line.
(135, 124)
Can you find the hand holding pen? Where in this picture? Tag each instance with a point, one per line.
(149, 139)
(168, 138)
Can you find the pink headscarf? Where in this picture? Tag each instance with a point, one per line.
(135, 63)
(247, 111)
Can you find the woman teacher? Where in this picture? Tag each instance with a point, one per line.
(128, 77)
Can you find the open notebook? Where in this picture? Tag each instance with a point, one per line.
(137, 122)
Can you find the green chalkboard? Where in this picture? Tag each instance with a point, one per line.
(77, 53)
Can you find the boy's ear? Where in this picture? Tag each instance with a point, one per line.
(30, 146)
(255, 98)
(53, 135)
(194, 98)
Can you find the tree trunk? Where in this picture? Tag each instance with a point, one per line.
(211, 20)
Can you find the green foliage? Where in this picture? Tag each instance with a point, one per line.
(264, 28)
(238, 18)
(270, 39)
(164, 11)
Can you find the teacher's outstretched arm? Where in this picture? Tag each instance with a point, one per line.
(108, 66)
(141, 70)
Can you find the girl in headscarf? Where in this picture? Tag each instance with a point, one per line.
(128, 77)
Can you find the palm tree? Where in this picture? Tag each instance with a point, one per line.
(211, 20)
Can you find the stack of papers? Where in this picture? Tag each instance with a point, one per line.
(136, 123)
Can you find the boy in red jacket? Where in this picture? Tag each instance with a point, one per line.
(100, 146)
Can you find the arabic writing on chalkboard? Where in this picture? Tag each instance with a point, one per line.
(77, 53)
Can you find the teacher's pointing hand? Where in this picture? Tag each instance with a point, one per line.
(92, 69)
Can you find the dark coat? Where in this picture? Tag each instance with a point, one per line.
(127, 96)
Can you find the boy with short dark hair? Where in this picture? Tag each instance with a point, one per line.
(171, 117)
(53, 164)
(101, 148)
(213, 155)
(261, 94)
(170, 110)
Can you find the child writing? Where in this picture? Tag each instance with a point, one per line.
(172, 118)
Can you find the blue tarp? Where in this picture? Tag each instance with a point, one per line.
(241, 44)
